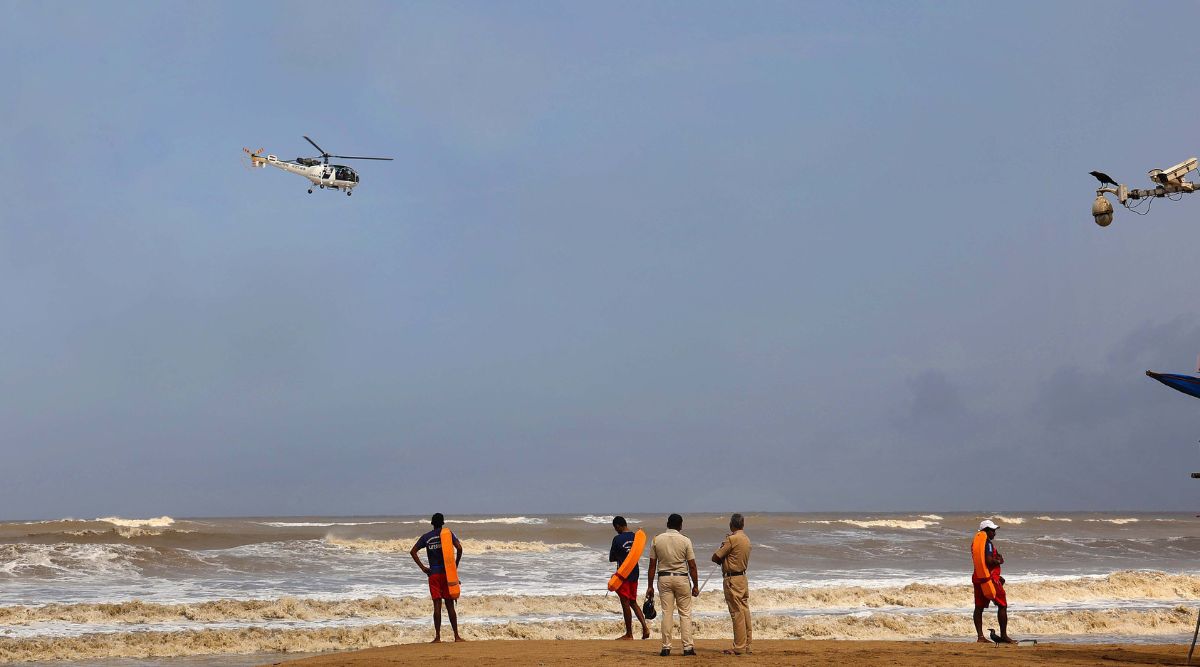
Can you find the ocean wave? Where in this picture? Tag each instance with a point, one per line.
(1142, 587)
(316, 524)
(57, 560)
(877, 626)
(533, 521)
(933, 517)
(157, 522)
(607, 520)
(1015, 520)
(124, 532)
(905, 524)
(1119, 522)
(470, 546)
(523, 520)
(1051, 518)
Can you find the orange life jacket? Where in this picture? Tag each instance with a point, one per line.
(630, 562)
(448, 555)
(979, 556)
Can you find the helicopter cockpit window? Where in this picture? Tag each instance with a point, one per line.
(346, 174)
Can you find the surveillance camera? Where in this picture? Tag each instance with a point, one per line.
(1173, 175)
(1102, 211)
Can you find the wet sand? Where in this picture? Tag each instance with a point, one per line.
(770, 652)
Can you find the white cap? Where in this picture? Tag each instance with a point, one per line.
(987, 523)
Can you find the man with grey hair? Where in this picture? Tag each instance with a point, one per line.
(734, 557)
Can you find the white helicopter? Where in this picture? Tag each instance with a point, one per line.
(317, 170)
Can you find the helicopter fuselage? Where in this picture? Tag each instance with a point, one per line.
(330, 176)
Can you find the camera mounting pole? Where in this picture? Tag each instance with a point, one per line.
(1170, 182)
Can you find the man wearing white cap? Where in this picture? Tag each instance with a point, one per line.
(987, 582)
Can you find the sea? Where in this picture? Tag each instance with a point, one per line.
(130, 591)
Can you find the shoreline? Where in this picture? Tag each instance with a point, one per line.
(923, 653)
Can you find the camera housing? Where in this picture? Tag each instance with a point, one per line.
(1173, 175)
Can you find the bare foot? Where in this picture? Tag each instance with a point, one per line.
(645, 632)
(625, 638)
(982, 640)
(1007, 640)
(436, 640)
(458, 639)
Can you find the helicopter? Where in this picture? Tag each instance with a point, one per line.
(316, 169)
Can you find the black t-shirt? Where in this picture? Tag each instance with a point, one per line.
(619, 550)
(431, 542)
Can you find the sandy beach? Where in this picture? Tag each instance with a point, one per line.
(771, 652)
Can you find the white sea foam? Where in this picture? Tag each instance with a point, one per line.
(1015, 520)
(531, 521)
(932, 517)
(1119, 522)
(67, 560)
(534, 521)
(311, 637)
(592, 518)
(158, 522)
(905, 524)
(315, 524)
(1052, 518)
(469, 546)
(916, 524)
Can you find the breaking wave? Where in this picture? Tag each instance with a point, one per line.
(878, 626)
(1052, 518)
(1015, 520)
(159, 522)
(1119, 522)
(57, 560)
(905, 524)
(534, 521)
(1156, 587)
(318, 524)
(607, 520)
(470, 546)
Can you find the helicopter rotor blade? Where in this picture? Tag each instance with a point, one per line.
(323, 153)
(359, 157)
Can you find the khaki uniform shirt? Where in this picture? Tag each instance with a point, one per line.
(736, 551)
(672, 550)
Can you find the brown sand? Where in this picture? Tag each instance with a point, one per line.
(593, 653)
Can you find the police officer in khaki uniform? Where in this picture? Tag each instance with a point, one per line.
(734, 557)
(671, 555)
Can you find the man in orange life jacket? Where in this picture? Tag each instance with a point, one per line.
(987, 582)
(627, 593)
(439, 587)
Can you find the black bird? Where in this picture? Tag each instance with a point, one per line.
(1104, 178)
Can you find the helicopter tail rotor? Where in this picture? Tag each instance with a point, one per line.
(256, 157)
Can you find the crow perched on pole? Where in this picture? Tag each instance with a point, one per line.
(1104, 178)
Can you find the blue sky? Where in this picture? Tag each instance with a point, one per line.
(666, 256)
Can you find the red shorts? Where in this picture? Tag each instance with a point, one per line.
(439, 589)
(628, 590)
(988, 591)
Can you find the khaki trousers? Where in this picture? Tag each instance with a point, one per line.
(674, 592)
(737, 597)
